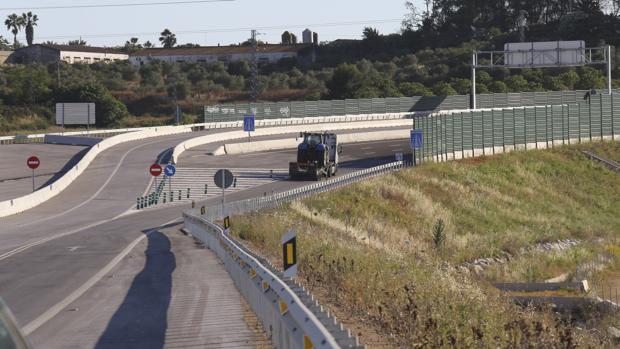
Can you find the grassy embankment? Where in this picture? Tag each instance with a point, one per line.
(368, 250)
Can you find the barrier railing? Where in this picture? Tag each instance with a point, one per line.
(303, 109)
(249, 205)
(289, 314)
(457, 135)
(263, 286)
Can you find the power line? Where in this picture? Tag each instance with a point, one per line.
(112, 5)
(227, 30)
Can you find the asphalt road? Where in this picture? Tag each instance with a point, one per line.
(52, 252)
(16, 176)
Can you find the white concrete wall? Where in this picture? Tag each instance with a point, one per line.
(91, 57)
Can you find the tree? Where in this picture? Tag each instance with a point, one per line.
(370, 34)
(30, 21)
(148, 44)
(132, 45)
(168, 39)
(4, 44)
(347, 79)
(110, 111)
(14, 23)
(78, 42)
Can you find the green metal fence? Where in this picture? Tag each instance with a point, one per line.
(472, 133)
(302, 109)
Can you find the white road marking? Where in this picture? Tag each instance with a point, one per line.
(73, 296)
(370, 153)
(74, 248)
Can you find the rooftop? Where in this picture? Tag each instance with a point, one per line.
(74, 48)
(217, 50)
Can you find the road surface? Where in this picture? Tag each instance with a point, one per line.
(50, 256)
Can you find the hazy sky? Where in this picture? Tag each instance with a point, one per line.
(207, 23)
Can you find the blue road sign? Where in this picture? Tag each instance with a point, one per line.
(416, 138)
(248, 123)
(170, 170)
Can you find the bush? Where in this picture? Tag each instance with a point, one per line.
(109, 110)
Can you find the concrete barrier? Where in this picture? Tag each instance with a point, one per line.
(71, 140)
(291, 143)
(21, 204)
(222, 137)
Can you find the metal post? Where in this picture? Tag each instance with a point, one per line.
(33, 180)
(180, 194)
(206, 188)
(609, 69)
(188, 193)
(170, 189)
(473, 81)
(223, 196)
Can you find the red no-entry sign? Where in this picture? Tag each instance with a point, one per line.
(155, 170)
(33, 162)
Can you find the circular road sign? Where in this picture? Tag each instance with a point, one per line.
(155, 170)
(228, 178)
(33, 162)
(170, 170)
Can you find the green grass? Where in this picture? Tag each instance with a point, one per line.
(370, 249)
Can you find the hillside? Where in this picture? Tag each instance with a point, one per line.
(369, 250)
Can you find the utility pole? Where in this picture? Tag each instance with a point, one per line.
(254, 66)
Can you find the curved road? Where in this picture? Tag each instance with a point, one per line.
(60, 254)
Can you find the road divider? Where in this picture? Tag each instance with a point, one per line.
(274, 131)
(291, 143)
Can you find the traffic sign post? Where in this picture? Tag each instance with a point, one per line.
(223, 179)
(289, 254)
(33, 162)
(170, 171)
(155, 171)
(248, 125)
(416, 141)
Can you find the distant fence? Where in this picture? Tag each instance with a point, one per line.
(303, 109)
(473, 133)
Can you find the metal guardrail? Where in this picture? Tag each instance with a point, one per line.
(612, 165)
(306, 324)
(250, 205)
(287, 312)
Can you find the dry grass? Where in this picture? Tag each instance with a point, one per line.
(368, 249)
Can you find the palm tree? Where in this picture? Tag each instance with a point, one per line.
(168, 39)
(14, 23)
(30, 21)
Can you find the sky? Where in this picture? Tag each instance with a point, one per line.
(207, 24)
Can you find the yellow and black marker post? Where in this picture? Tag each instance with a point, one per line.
(289, 253)
(227, 223)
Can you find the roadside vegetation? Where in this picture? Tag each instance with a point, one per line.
(429, 56)
(396, 253)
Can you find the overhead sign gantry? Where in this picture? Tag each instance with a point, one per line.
(548, 54)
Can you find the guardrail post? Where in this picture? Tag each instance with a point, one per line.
(180, 195)
(165, 198)
(206, 188)
(188, 192)
(137, 203)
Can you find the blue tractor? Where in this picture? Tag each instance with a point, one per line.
(317, 157)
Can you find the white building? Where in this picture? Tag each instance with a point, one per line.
(224, 54)
(41, 53)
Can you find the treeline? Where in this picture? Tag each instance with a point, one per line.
(121, 90)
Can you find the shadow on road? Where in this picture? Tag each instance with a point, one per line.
(142, 319)
(68, 166)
